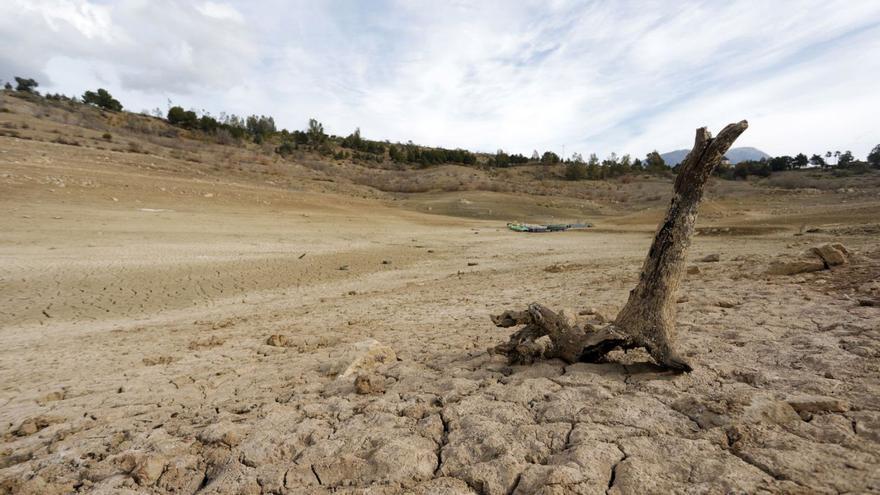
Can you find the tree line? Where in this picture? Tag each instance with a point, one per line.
(229, 128)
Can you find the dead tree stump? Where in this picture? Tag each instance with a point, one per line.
(648, 318)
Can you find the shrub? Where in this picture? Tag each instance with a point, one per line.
(224, 137)
(575, 171)
(286, 148)
(107, 136)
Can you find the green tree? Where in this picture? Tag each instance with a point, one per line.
(182, 118)
(260, 127)
(549, 158)
(817, 161)
(26, 85)
(102, 99)
(594, 171)
(874, 157)
(845, 159)
(575, 170)
(354, 140)
(800, 161)
(780, 163)
(7, 86)
(315, 132)
(655, 163)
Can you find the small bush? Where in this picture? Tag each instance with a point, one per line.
(134, 147)
(224, 137)
(286, 149)
(61, 140)
(107, 136)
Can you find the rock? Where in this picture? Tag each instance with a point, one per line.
(224, 433)
(360, 357)
(472, 263)
(277, 340)
(28, 427)
(431, 427)
(148, 361)
(33, 425)
(817, 404)
(693, 270)
(343, 267)
(182, 475)
(795, 266)
(386, 262)
(728, 304)
(148, 469)
(831, 254)
(209, 343)
(369, 383)
(443, 486)
(711, 258)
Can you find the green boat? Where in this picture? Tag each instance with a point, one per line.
(555, 227)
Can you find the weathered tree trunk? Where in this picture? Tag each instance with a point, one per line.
(648, 318)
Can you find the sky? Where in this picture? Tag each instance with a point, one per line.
(587, 77)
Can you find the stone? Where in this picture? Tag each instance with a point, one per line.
(794, 266)
(369, 383)
(360, 357)
(223, 433)
(831, 254)
(277, 340)
(147, 468)
(693, 270)
(818, 404)
(711, 258)
(33, 425)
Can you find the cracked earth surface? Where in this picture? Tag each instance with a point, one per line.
(111, 391)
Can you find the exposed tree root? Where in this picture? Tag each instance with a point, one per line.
(648, 318)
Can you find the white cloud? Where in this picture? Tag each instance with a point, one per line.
(627, 76)
(220, 11)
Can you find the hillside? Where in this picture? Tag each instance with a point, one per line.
(530, 192)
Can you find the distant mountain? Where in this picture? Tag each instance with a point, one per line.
(735, 155)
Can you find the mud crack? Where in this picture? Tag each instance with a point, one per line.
(613, 477)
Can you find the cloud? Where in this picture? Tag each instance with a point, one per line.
(148, 46)
(220, 11)
(627, 76)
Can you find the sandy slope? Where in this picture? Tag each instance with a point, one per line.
(136, 304)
